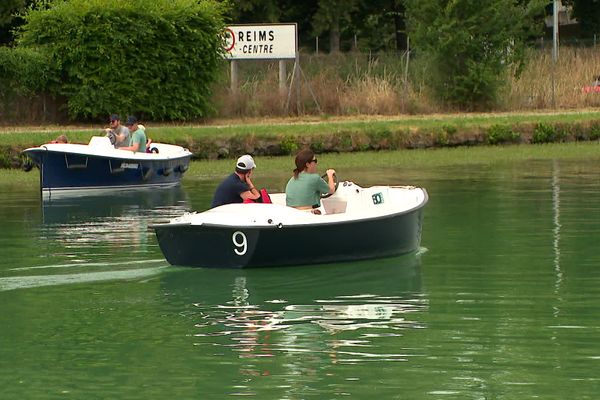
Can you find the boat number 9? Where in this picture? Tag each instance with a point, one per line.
(240, 242)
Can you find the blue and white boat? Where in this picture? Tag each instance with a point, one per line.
(68, 168)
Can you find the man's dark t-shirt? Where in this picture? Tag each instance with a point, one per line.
(229, 191)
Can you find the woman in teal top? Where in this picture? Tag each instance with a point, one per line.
(305, 188)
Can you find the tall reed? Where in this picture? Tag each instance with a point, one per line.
(357, 83)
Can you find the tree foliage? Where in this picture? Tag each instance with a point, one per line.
(254, 11)
(470, 44)
(331, 15)
(155, 58)
(587, 13)
(380, 24)
(24, 71)
(8, 16)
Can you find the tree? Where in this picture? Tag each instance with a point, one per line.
(470, 45)
(380, 24)
(300, 12)
(253, 11)
(11, 16)
(587, 13)
(156, 58)
(8, 10)
(330, 16)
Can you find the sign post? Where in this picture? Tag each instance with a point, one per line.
(267, 42)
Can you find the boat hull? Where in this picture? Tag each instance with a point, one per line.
(240, 247)
(65, 172)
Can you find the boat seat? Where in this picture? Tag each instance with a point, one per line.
(101, 141)
(334, 206)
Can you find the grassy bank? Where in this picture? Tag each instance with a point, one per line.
(332, 135)
(414, 159)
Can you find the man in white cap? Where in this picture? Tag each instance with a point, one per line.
(238, 186)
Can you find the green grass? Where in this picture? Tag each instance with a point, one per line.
(311, 126)
(437, 157)
(413, 159)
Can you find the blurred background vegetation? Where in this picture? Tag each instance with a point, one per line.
(377, 57)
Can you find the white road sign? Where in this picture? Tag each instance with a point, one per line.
(248, 42)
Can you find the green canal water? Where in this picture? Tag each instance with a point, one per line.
(501, 302)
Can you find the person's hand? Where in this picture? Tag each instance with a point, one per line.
(330, 172)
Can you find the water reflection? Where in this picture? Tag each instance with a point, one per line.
(34, 281)
(119, 220)
(312, 315)
(557, 226)
(136, 203)
(94, 238)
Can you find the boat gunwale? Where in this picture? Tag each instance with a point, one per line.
(316, 223)
(137, 156)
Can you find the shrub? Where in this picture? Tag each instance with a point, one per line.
(501, 134)
(471, 45)
(595, 131)
(24, 71)
(317, 146)
(544, 133)
(156, 58)
(289, 145)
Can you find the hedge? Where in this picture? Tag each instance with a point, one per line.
(153, 58)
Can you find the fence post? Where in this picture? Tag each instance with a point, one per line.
(282, 78)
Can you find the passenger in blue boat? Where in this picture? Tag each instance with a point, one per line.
(238, 186)
(304, 189)
(118, 134)
(138, 135)
(61, 139)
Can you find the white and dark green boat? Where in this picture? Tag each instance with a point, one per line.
(355, 223)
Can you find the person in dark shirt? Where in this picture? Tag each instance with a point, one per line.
(238, 186)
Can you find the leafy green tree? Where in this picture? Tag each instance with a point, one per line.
(155, 58)
(300, 12)
(380, 24)
(8, 11)
(587, 13)
(470, 45)
(253, 11)
(330, 17)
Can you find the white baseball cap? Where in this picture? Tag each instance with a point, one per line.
(245, 162)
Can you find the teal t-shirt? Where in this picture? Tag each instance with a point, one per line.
(306, 190)
(139, 136)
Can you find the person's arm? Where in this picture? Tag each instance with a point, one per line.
(123, 136)
(138, 143)
(330, 180)
(134, 147)
(252, 193)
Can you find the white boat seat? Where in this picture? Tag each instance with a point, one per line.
(334, 206)
(100, 141)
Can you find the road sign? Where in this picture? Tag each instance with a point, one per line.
(261, 42)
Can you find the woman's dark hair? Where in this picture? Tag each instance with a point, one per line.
(302, 158)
